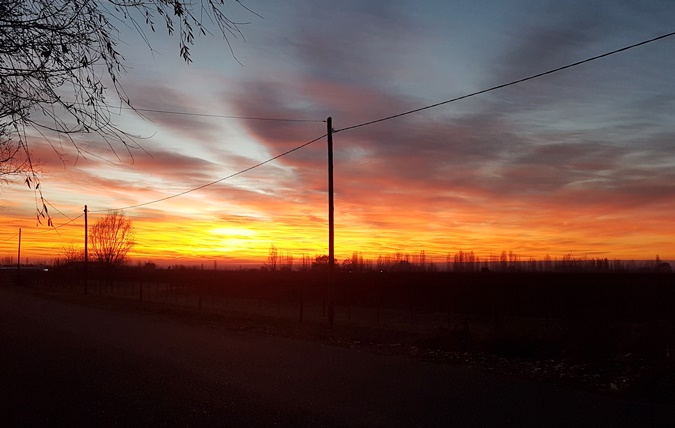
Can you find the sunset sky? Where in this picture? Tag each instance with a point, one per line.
(581, 161)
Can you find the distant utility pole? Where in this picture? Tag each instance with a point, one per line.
(331, 226)
(86, 252)
(18, 258)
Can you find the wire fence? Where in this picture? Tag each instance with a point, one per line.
(447, 309)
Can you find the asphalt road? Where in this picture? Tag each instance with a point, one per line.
(62, 364)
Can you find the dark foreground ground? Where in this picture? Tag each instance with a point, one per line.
(75, 362)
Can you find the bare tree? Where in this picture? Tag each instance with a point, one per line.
(70, 254)
(306, 262)
(286, 262)
(111, 239)
(60, 64)
(272, 259)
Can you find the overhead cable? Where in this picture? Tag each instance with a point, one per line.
(504, 85)
(64, 224)
(222, 116)
(50, 229)
(222, 179)
(10, 238)
(493, 88)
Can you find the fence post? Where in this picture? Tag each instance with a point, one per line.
(349, 301)
(302, 304)
(449, 309)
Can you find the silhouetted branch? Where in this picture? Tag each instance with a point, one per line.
(60, 63)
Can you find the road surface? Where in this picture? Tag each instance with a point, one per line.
(63, 364)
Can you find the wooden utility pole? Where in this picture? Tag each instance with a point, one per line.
(86, 252)
(331, 227)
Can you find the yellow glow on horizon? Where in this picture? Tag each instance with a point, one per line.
(168, 238)
(233, 231)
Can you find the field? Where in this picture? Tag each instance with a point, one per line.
(609, 331)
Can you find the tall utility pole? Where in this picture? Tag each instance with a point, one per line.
(86, 252)
(331, 226)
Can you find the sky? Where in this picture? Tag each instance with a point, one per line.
(578, 162)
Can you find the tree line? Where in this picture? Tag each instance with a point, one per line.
(462, 261)
(112, 238)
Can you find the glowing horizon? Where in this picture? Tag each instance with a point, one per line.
(168, 240)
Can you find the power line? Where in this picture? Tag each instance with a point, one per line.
(222, 179)
(56, 228)
(504, 85)
(64, 224)
(185, 113)
(287, 152)
(10, 238)
(53, 228)
(48, 229)
(59, 211)
(493, 88)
